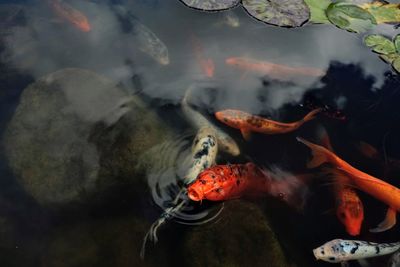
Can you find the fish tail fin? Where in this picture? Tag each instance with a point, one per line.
(311, 115)
(319, 153)
(387, 223)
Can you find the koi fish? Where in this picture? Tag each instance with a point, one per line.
(74, 16)
(204, 153)
(349, 208)
(198, 121)
(225, 182)
(272, 69)
(375, 187)
(206, 64)
(339, 250)
(248, 123)
(327, 111)
(394, 260)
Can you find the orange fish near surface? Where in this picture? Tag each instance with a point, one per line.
(65, 11)
(272, 69)
(206, 64)
(224, 182)
(349, 208)
(385, 192)
(248, 123)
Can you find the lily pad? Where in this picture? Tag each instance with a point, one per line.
(284, 13)
(389, 58)
(350, 17)
(318, 9)
(396, 64)
(396, 42)
(211, 5)
(382, 12)
(380, 44)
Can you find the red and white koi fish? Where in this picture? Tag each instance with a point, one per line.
(248, 123)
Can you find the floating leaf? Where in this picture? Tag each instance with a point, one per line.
(396, 64)
(211, 5)
(389, 58)
(380, 44)
(396, 42)
(317, 9)
(350, 17)
(285, 13)
(383, 13)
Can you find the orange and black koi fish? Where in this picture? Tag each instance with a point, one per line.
(385, 192)
(272, 69)
(349, 208)
(248, 123)
(224, 182)
(65, 11)
(206, 64)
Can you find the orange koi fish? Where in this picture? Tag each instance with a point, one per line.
(248, 123)
(224, 182)
(272, 69)
(349, 208)
(375, 187)
(65, 11)
(206, 64)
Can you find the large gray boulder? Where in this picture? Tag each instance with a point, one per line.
(75, 133)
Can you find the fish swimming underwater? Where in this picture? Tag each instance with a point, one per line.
(273, 70)
(385, 192)
(248, 123)
(145, 40)
(225, 143)
(225, 182)
(339, 250)
(349, 208)
(74, 16)
(206, 64)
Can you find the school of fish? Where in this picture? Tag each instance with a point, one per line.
(205, 180)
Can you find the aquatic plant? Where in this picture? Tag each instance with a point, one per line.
(388, 50)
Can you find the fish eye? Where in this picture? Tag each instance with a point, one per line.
(203, 181)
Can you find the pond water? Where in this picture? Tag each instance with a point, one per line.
(96, 143)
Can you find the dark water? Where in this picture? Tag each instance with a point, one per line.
(106, 228)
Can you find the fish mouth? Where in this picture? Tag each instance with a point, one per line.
(195, 195)
(353, 232)
(315, 252)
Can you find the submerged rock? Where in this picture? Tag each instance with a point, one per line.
(110, 242)
(242, 237)
(75, 133)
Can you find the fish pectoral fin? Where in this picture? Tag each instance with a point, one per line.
(246, 134)
(363, 263)
(387, 223)
(344, 264)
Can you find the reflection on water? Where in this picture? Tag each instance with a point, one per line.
(130, 65)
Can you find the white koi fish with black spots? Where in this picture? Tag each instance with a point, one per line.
(340, 251)
(198, 121)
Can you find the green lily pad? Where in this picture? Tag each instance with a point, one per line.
(211, 5)
(380, 44)
(383, 13)
(285, 13)
(350, 17)
(396, 42)
(318, 9)
(389, 58)
(396, 64)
